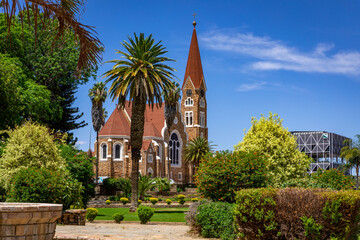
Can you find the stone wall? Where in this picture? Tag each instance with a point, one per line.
(73, 217)
(28, 221)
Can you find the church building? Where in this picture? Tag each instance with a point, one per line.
(158, 147)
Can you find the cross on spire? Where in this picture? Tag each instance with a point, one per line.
(194, 22)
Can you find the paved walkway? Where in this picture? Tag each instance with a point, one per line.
(136, 231)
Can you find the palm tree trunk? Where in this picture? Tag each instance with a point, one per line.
(357, 177)
(97, 158)
(136, 139)
(168, 162)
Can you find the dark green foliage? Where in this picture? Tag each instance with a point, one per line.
(312, 229)
(118, 217)
(80, 167)
(215, 220)
(255, 213)
(293, 213)
(331, 179)
(220, 175)
(2, 194)
(118, 184)
(45, 186)
(91, 214)
(47, 67)
(145, 214)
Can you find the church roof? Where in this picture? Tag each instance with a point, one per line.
(193, 66)
(118, 123)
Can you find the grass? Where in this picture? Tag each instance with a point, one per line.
(161, 214)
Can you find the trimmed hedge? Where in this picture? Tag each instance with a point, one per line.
(297, 213)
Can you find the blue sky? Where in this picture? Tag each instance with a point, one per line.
(300, 59)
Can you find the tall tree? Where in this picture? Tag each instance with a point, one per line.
(48, 63)
(171, 99)
(268, 138)
(97, 95)
(67, 13)
(140, 76)
(351, 153)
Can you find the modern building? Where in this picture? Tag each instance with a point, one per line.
(324, 147)
(159, 148)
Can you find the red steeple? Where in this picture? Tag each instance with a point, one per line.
(194, 67)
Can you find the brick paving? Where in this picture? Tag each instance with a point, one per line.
(136, 231)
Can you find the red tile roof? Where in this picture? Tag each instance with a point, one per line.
(193, 66)
(118, 124)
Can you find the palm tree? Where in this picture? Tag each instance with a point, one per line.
(97, 95)
(351, 153)
(171, 98)
(145, 184)
(67, 14)
(141, 76)
(196, 149)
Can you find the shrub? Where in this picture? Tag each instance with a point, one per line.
(118, 184)
(146, 199)
(80, 167)
(139, 201)
(331, 179)
(300, 214)
(181, 201)
(220, 175)
(29, 145)
(180, 196)
(215, 220)
(118, 217)
(108, 202)
(112, 198)
(190, 216)
(45, 186)
(194, 200)
(154, 200)
(168, 201)
(91, 214)
(145, 214)
(124, 200)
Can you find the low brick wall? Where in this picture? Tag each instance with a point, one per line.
(73, 217)
(28, 221)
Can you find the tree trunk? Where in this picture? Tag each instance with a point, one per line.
(97, 158)
(169, 161)
(357, 177)
(136, 139)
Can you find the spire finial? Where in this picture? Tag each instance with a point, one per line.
(194, 22)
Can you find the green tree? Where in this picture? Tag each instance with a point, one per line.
(51, 64)
(196, 150)
(29, 145)
(97, 95)
(141, 76)
(66, 12)
(269, 138)
(351, 153)
(171, 99)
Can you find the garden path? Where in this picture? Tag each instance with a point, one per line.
(136, 231)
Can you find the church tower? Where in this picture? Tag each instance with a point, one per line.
(193, 102)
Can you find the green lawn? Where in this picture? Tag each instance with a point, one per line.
(161, 214)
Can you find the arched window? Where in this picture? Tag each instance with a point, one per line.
(174, 145)
(189, 102)
(118, 151)
(202, 102)
(150, 171)
(189, 118)
(103, 151)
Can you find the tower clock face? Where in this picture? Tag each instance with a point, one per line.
(202, 92)
(188, 92)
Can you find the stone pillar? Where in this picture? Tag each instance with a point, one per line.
(28, 221)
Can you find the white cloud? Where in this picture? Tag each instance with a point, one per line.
(81, 142)
(250, 87)
(275, 55)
